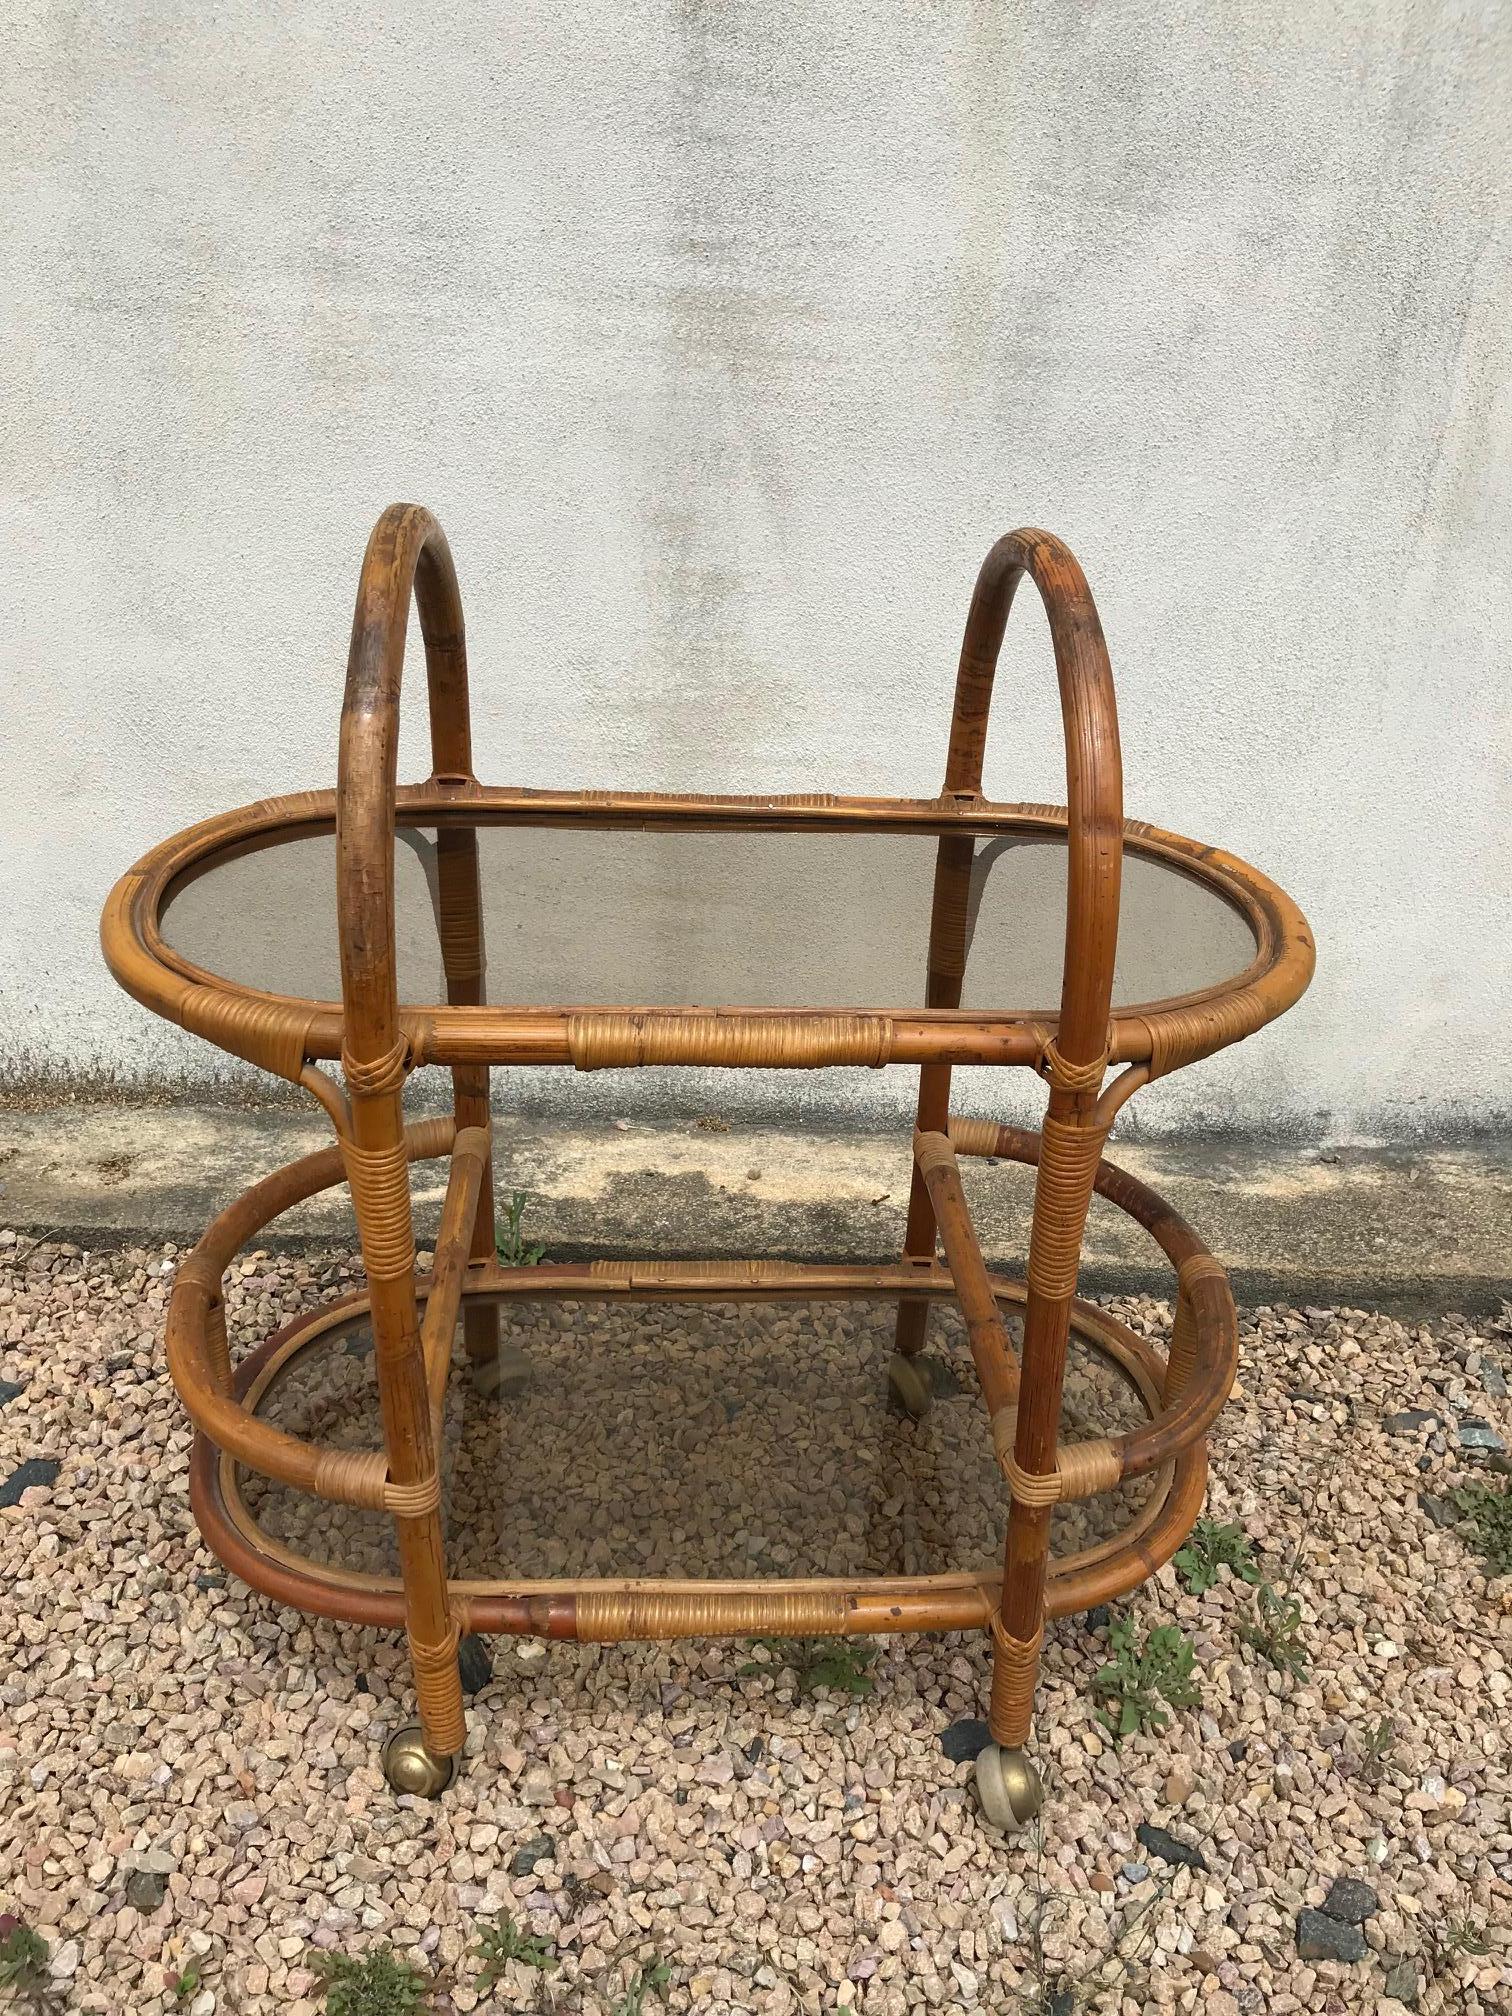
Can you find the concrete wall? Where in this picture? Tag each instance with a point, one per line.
(723, 340)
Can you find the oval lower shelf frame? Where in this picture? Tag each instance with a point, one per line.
(609, 1610)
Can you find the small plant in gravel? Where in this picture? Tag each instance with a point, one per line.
(1139, 1677)
(839, 1664)
(510, 1243)
(645, 1981)
(501, 1941)
(1275, 1631)
(1486, 1515)
(1211, 1546)
(379, 1984)
(23, 1964)
(1375, 1747)
(186, 1983)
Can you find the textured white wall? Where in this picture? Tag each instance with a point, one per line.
(723, 339)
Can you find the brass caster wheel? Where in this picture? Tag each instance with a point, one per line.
(410, 1767)
(502, 1374)
(1009, 1788)
(909, 1380)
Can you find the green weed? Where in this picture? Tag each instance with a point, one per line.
(1276, 1632)
(500, 1940)
(379, 1984)
(646, 1981)
(837, 1663)
(1139, 1677)
(510, 1241)
(23, 1964)
(1211, 1546)
(1486, 1515)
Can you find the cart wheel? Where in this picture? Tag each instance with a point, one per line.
(1009, 1788)
(910, 1385)
(410, 1767)
(502, 1374)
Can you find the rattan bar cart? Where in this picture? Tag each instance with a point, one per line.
(1242, 953)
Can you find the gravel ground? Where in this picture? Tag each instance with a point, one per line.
(190, 1775)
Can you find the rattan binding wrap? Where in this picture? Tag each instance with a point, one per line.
(1180, 1036)
(654, 1273)
(379, 1179)
(1015, 1668)
(265, 1033)
(1069, 1155)
(1082, 1469)
(370, 1078)
(457, 929)
(780, 1042)
(1069, 1077)
(973, 1137)
(607, 1616)
(353, 1477)
(1183, 1355)
(438, 1693)
(413, 1501)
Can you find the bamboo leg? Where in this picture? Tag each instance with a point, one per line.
(378, 1170)
(1071, 1146)
(944, 980)
(462, 953)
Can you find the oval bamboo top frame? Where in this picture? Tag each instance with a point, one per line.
(162, 980)
(407, 557)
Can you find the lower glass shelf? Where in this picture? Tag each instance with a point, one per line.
(684, 1439)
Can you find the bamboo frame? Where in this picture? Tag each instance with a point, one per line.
(380, 1040)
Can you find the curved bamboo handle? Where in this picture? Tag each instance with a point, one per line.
(1094, 767)
(406, 555)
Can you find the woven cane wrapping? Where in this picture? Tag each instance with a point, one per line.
(1015, 1669)
(438, 1690)
(1071, 1077)
(1031, 1487)
(379, 1179)
(458, 927)
(371, 1077)
(951, 918)
(265, 1033)
(1069, 1155)
(1085, 1468)
(655, 1273)
(791, 1042)
(352, 1477)
(973, 1137)
(413, 1501)
(1183, 1357)
(610, 1615)
(1181, 1035)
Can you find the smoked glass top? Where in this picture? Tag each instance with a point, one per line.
(578, 916)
